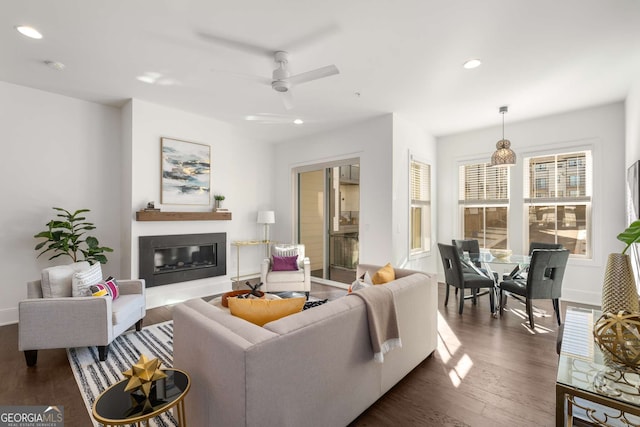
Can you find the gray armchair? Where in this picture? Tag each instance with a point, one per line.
(280, 281)
(63, 321)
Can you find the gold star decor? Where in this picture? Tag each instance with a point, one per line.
(143, 374)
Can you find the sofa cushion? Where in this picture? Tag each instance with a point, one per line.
(285, 263)
(385, 275)
(56, 281)
(286, 276)
(261, 311)
(122, 308)
(82, 281)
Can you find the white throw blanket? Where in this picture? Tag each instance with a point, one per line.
(382, 318)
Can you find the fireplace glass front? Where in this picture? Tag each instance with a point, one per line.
(179, 258)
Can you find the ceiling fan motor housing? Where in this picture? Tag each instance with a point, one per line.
(280, 85)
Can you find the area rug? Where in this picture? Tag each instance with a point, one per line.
(93, 376)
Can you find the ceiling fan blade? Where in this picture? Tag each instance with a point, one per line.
(236, 44)
(244, 76)
(319, 73)
(287, 99)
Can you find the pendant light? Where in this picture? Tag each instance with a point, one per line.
(504, 155)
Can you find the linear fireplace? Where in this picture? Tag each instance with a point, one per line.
(182, 257)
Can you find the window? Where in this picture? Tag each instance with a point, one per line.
(484, 204)
(560, 210)
(420, 209)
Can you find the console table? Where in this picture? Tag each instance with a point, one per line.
(588, 387)
(243, 243)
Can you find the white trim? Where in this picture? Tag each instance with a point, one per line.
(426, 252)
(314, 166)
(554, 149)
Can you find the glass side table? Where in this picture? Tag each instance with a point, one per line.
(115, 407)
(588, 388)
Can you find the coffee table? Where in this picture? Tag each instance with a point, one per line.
(115, 407)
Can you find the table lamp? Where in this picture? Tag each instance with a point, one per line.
(266, 218)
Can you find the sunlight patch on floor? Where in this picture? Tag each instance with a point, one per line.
(448, 346)
(522, 314)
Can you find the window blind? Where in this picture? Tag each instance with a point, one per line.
(482, 184)
(420, 182)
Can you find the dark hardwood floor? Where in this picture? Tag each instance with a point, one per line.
(486, 372)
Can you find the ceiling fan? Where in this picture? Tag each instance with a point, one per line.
(282, 81)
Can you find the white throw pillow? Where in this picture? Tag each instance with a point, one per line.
(56, 281)
(285, 251)
(81, 282)
(362, 283)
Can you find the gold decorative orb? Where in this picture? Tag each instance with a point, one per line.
(143, 374)
(619, 335)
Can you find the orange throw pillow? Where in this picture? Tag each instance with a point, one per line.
(385, 275)
(262, 311)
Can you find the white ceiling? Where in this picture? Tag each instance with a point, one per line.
(539, 57)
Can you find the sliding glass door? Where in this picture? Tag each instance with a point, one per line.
(328, 216)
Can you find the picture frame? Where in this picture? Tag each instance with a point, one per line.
(185, 172)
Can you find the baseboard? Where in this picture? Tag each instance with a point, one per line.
(580, 296)
(8, 316)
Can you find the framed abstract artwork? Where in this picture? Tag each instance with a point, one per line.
(186, 172)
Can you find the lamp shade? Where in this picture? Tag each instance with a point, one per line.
(504, 155)
(266, 217)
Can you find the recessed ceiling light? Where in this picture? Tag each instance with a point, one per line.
(29, 32)
(59, 66)
(472, 63)
(298, 121)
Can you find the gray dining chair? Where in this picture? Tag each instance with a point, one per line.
(544, 281)
(543, 245)
(456, 277)
(468, 245)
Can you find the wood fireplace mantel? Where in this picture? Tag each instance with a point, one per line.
(182, 216)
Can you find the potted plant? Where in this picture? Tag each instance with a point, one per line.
(66, 237)
(619, 292)
(218, 200)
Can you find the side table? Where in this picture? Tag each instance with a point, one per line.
(116, 407)
(587, 386)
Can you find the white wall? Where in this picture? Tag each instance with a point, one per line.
(371, 142)
(600, 128)
(632, 114)
(408, 138)
(382, 145)
(240, 169)
(57, 151)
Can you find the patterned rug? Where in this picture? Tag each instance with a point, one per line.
(93, 376)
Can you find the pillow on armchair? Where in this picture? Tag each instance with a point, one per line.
(56, 281)
(285, 263)
(285, 250)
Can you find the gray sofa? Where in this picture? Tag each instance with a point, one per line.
(313, 368)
